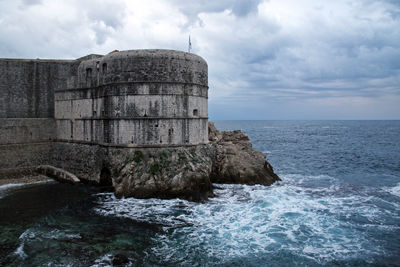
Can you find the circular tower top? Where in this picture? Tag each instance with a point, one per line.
(148, 65)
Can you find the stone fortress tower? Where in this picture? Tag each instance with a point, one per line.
(74, 114)
(136, 120)
(136, 98)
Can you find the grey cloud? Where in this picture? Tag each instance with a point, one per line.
(104, 17)
(257, 64)
(239, 8)
(31, 2)
(243, 8)
(111, 13)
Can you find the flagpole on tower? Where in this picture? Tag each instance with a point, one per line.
(190, 45)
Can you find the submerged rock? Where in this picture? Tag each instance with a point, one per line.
(236, 161)
(188, 172)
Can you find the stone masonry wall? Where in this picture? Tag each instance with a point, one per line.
(70, 113)
(27, 125)
(136, 98)
(27, 86)
(26, 130)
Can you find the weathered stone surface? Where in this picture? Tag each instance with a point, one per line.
(163, 173)
(235, 160)
(136, 98)
(38, 173)
(58, 174)
(84, 160)
(27, 86)
(24, 155)
(188, 172)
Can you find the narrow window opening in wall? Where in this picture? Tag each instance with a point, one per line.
(88, 76)
(97, 65)
(195, 112)
(104, 67)
(89, 73)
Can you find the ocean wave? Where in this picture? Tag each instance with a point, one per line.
(19, 252)
(393, 190)
(248, 221)
(12, 186)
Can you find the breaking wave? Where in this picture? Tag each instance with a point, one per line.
(317, 225)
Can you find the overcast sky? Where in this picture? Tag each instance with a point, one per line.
(272, 59)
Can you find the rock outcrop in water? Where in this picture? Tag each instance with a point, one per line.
(188, 172)
(164, 173)
(236, 162)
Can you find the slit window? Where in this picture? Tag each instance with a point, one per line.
(88, 76)
(195, 112)
(104, 67)
(89, 73)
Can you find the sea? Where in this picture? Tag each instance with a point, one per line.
(338, 204)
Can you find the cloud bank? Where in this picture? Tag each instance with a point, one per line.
(276, 59)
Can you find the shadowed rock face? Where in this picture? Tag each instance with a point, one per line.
(236, 162)
(164, 173)
(188, 172)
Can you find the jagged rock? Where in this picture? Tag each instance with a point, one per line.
(235, 160)
(188, 172)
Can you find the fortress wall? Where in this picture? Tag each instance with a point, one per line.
(84, 160)
(132, 100)
(27, 86)
(136, 98)
(25, 141)
(26, 130)
(136, 132)
(27, 125)
(59, 112)
(143, 66)
(25, 155)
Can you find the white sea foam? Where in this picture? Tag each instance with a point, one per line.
(105, 260)
(7, 186)
(10, 186)
(56, 234)
(256, 220)
(394, 190)
(20, 252)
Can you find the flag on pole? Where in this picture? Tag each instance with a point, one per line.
(190, 44)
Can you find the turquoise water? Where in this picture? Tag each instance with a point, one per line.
(338, 205)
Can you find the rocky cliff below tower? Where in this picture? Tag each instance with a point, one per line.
(188, 172)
